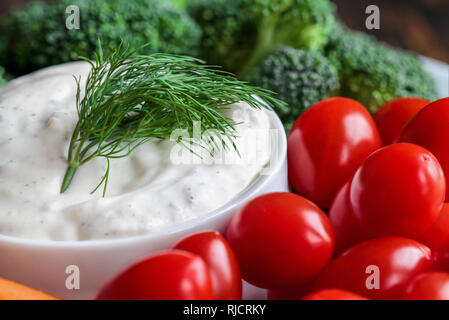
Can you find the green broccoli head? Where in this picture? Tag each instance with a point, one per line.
(374, 73)
(238, 34)
(37, 36)
(301, 78)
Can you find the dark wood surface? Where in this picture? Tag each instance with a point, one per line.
(419, 25)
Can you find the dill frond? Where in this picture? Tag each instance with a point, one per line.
(131, 98)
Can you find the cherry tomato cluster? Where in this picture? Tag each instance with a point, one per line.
(200, 267)
(367, 219)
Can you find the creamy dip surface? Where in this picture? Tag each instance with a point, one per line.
(147, 191)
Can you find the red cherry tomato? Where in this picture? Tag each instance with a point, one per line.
(436, 236)
(399, 190)
(281, 240)
(171, 275)
(398, 260)
(333, 294)
(326, 144)
(289, 294)
(392, 116)
(430, 129)
(221, 261)
(428, 286)
(346, 228)
(441, 258)
(349, 231)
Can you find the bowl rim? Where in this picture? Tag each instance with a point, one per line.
(238, 200)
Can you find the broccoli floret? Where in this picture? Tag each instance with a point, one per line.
(238, 34)
(301, 78)
(374, 73)
(37, 36)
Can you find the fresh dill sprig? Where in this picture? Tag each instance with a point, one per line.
(131, 98)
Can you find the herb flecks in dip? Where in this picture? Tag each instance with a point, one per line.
(146, 190)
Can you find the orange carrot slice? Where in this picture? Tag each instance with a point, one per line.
(10, 290)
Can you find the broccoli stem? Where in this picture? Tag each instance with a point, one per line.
(266, 43)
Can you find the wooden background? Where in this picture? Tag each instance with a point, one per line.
(419, 25)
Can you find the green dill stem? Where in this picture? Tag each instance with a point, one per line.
(68, 178)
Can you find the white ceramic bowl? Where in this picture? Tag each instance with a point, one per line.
(42, 264)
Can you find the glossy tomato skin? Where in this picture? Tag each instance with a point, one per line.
(430, 128)
(347, 231)
(438, 234)
(428, 286)
(170, 275)
(290, 294)
(281, 240)
(393, 115)
(399, 260)
(326, 145)
(221, 261)
(399, 190)
(333, 294)
(441, 258)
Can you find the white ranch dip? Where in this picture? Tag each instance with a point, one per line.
(146, 191)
